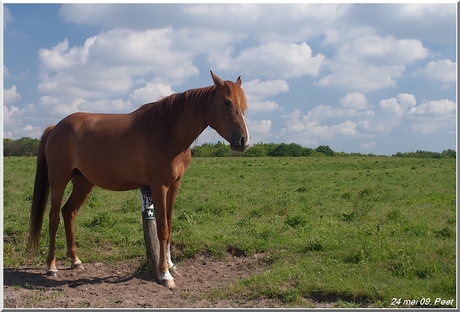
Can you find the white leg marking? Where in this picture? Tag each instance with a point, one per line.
(168, 256)
(166, 276)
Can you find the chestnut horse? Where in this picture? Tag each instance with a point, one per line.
(149, 147)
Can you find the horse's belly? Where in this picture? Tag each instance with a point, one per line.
(115, 177)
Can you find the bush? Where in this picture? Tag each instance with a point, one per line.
(325, 149)
(21, 147)
(257, 150)
(427, 154)
(289, 150)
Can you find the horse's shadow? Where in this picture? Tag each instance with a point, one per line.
(28, 278)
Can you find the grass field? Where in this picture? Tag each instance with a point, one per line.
(360, 230)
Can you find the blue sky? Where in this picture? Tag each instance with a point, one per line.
(369, 78)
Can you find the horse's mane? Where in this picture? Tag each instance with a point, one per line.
(167, 111)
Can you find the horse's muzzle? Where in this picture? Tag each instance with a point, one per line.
(240, 144)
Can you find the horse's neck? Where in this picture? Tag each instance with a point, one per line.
(183, 120)
(191, 118)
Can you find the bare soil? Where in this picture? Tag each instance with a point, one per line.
(128, 286)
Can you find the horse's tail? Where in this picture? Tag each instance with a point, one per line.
(40, 196)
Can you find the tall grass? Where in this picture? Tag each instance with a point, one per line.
(355, 229)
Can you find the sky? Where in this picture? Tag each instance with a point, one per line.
(367, 78)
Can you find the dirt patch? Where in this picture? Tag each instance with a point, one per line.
(126, 286)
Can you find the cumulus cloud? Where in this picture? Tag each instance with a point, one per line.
(435, 108)
(355, 117)
(9, 114)
(259, 126)
(106, 63)
(433, 116)
(11, 95)
(151, 92)
(305, 20)
(350, 105)
(362, 77)
(442, 70)
(390, 113)
(13, 121)
(272, 59)
(366, 61)
(95, 75)
(354, 100)
(256, 91)
(307, 130)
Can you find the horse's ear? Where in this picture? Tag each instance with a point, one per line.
(238, 81)
(217, 81)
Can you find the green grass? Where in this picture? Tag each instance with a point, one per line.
(358, 230)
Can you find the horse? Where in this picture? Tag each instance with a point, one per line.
(148, 148)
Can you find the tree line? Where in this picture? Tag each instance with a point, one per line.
(29, 147)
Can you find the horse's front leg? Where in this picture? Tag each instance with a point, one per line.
(171, 198)
(159, 196)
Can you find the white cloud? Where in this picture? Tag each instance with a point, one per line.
(361, 77)
(266, 88)
(11, 95)
(424, 10)
(272, 59)
(152, 92)
(14, 125)
(107, 62)
(351, 105)
(356, 118)
(259, 126)
(8, 114)
(93, 77)
(433, 116)
(435, 108)
(256, 91)
(366, 61)
(267, 21)
(308, 130)
(390, 114)
(442, 70)
(354, 100)
(383, 50)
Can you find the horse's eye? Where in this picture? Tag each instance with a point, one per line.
(227, 102)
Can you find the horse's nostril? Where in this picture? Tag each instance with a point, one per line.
(242, 141)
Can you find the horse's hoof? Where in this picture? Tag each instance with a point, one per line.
(52, 274)
(169, 283)
(77, 266)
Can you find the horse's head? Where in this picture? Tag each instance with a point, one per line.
(226, 113)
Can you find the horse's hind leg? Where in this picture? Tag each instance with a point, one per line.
(80, 192)
(57, 192)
